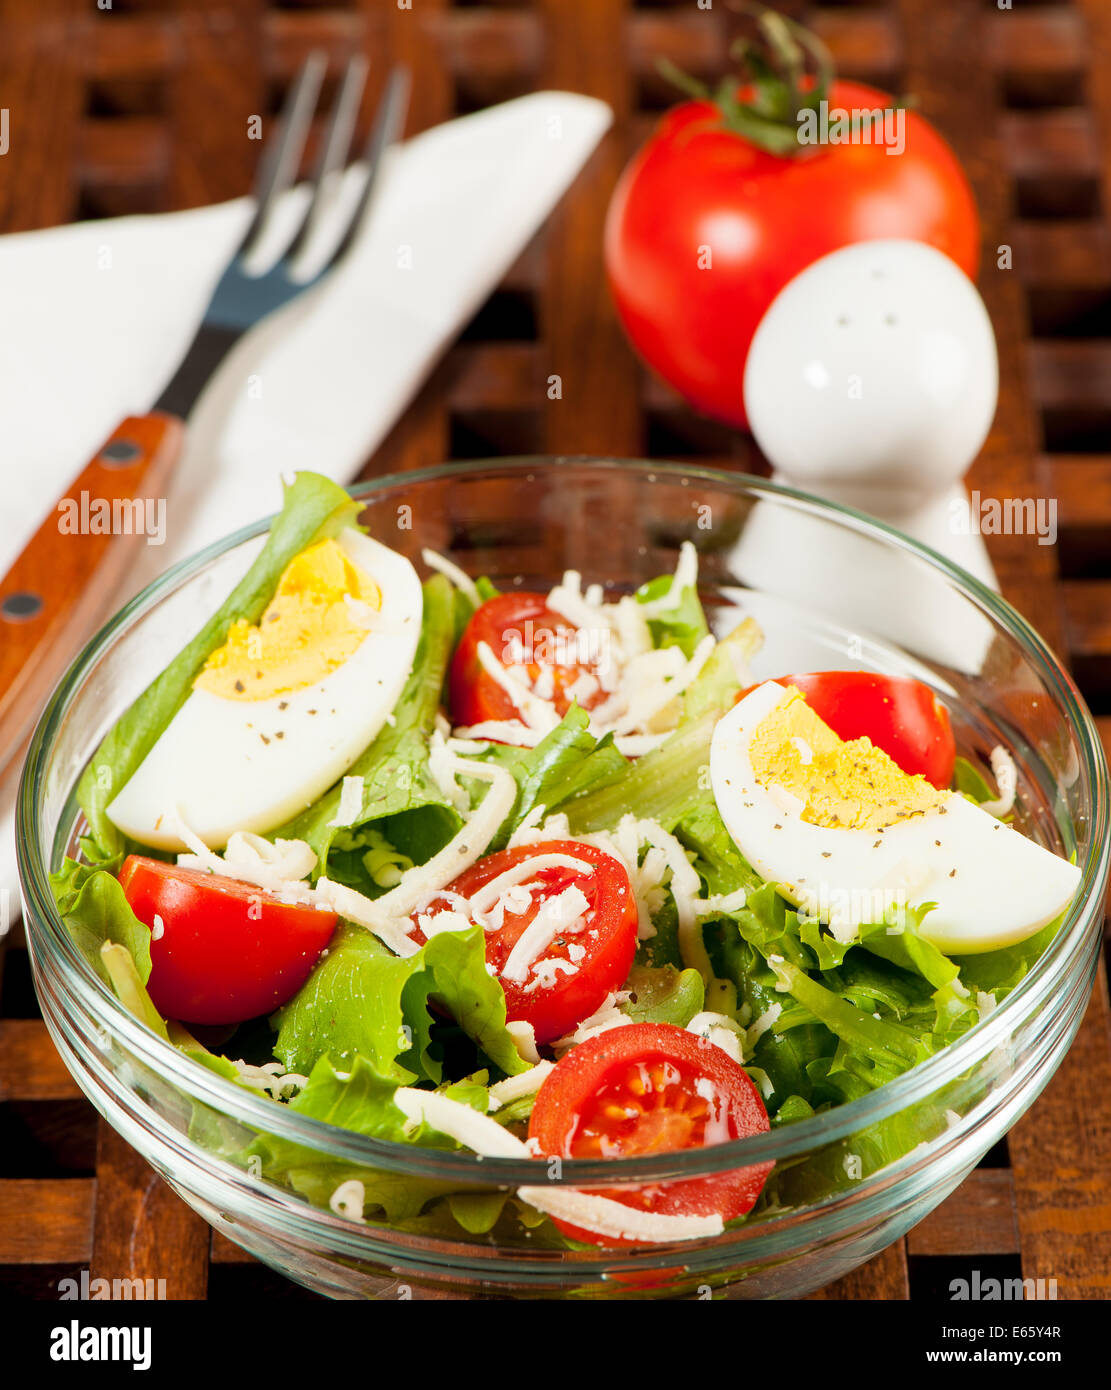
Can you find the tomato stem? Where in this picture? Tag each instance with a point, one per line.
(787, 69)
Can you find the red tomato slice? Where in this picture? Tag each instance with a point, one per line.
(228, 951)
(900, 715)
(607, 942)
(650, 1088)
(521, 631)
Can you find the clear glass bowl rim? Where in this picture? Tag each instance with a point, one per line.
(913, 1086)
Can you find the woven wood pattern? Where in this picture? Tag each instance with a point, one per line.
(143, 108)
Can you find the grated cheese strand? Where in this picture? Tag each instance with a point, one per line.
(538, 714)
(555, 915)
(460, 852)
(1006, 778)
(601, 1215)
(484, 898)
(460, 578)
(525, 1083)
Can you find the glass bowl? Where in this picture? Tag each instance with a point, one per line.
(832, 589)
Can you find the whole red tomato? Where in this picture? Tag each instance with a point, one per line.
(705, 229)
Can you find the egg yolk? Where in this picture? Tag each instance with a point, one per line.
(844, 786)
(319, 615)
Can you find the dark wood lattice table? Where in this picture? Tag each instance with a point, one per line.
(141, 108)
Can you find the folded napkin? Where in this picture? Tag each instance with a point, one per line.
(96, 316)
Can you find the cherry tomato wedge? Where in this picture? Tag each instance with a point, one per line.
(900, 715)
(227, 951)
(572, 974)
(545, 649)
(650, 1088)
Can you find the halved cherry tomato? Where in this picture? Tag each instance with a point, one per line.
(521, 631)
(900, 715)
(605, 943)
(650, 1088)
(227, 951)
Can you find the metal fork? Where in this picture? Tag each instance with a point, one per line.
(63, 582)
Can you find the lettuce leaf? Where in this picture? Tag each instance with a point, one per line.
(355, 1097)
(361, 1000)
(565, 763)
(683, 625)
(359, 1098)
(664, 995)
(998, 972)
(116, 944)
(313, 508)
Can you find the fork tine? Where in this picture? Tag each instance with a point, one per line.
(388, 125)
(333, 151)
(282, 156)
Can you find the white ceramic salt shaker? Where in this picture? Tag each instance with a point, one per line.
(872, 381)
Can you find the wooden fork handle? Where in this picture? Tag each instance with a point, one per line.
(68, 573)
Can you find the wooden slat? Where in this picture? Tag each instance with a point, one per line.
(217, 85)
(1050, 145)
(1081, 486)
(1063, 254)
(885, 1276)
(978, 1219)
(141, 1229)
(226, 1252)
(420, 437)
(495, 376)
(1072, 375)
(41, 89)
(131, 151)
(1088, 616)
(43, 1223)
(1042, 41)
(583, 344)
(30, 1067)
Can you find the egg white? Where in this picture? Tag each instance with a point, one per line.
(251, 765)
(992, 886)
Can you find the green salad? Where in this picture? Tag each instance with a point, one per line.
(543, 875)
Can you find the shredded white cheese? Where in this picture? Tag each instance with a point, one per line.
(500, 731)
(685, 577)
(601, 1215)
(526, 1083)
(760, 1026)
(606, 1217)
(1006, 779)
(524, 1040)
(441, 765)
(463, 850)
(561, 913)
(348, 1199)
(720, 1030)
(608, 1015)
(458, 1121)
(484, 898)
(350, 802)
(538, 714)
(271, 1078)
(462, 581)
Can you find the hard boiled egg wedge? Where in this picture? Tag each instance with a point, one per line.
(284, 708)
(850, 838)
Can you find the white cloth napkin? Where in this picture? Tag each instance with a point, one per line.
(95, 316)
